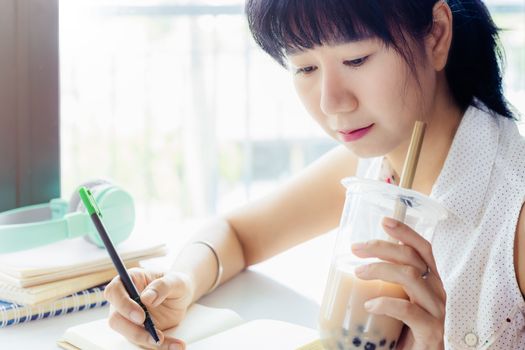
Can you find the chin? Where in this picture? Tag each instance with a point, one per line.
(366, 151)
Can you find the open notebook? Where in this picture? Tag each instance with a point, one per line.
(203, 328)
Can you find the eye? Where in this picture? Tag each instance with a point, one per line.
(305, 70)
(357, 62)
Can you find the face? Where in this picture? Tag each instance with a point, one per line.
(363, 94)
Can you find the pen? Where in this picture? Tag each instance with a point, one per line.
(96, 215)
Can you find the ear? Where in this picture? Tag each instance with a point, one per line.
(439, 40)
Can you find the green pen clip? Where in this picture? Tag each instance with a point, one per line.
(89, 201)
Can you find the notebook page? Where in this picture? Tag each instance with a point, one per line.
(203, 321)
(259, 335)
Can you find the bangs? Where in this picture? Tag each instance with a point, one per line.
(282, 27)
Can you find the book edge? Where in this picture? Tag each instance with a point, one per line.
(20, 273)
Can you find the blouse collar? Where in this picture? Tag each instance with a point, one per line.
(462, 184)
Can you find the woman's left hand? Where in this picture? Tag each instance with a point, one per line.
(412, 266)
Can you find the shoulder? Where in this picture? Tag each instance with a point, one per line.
(519, 250)
(511, 152)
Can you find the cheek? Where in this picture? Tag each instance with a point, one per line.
(310, 98)
(392, 91)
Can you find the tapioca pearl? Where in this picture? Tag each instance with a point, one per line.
(356, 341)
(392, 345)
(370, 346)
(382, 342)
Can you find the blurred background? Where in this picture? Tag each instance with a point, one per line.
(173, 101)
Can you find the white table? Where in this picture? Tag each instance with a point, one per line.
(287, 287)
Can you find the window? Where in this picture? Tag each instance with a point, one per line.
(173, 101)
(509, 15)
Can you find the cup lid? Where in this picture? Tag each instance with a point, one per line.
(386, 195)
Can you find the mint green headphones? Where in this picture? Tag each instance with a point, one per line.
(41, 224)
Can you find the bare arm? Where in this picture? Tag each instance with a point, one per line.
(519, 251)
(308, 205)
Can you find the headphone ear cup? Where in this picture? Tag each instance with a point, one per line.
(118, 213)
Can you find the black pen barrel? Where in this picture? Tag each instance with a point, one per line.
(119, 265)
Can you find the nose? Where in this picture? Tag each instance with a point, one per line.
(336, 96)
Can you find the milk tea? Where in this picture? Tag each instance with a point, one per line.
(344, 323)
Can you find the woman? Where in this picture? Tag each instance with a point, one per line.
(366, 71)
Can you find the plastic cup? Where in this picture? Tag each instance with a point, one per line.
(343, 322)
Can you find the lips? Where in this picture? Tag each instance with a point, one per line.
(348, 132)
(355, 134)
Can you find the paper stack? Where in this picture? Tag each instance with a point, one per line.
(63, 277)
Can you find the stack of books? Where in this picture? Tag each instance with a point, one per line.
(63, 277)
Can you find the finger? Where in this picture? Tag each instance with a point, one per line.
(420, 322)
(171, 343)
(418, 290)
(173, 286)
(388, 251)
(134, 333)
(116, 295)
(139, 277)
(407, 236)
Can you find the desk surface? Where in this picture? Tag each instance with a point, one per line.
(287, 287)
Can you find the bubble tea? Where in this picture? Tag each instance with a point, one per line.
(343, 322)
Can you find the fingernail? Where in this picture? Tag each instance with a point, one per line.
(175, 346)
(369, 304)
(149, 295)
(361, 269)
(390, 223)
(136, 317)
(358, 246)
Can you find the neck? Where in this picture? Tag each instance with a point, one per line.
(444, 120)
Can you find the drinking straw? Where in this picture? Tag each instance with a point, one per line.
(409, 168)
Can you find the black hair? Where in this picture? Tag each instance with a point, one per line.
(474, 66)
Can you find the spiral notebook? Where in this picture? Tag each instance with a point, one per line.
(12, 314)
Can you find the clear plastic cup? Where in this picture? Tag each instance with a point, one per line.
(343, 322)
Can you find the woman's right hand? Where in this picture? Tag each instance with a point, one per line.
(167, 297)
